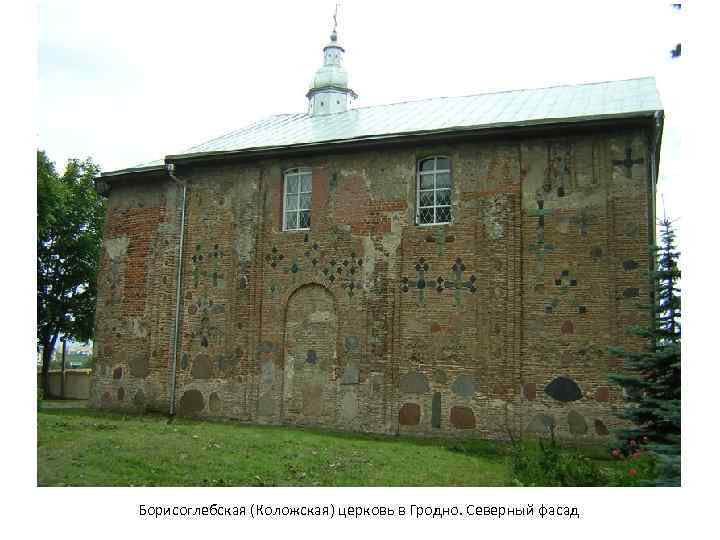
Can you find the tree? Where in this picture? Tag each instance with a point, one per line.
(70, 216)
(652, 376)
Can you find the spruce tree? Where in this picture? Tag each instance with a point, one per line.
(651, 377)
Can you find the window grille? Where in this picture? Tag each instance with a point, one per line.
(434, 191)
(297, 199)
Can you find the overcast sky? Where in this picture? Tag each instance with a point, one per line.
(128, 82)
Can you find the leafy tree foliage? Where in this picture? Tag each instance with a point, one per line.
(651, 378)
(70, 216)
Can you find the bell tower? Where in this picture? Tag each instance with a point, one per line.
(329, 92)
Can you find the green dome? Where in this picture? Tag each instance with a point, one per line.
(332, 75)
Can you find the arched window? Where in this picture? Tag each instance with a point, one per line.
(434, 191)
(297, 198)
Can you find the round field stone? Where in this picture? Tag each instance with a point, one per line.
(139, 366)
(541, 423)
(192, 402)
(312, 400)
(352, 343)
(266, 372)
(464, 385)
(349, 408)
(139, 399)
(376, 383)
(602, 394)
(414, 383)
(563, 389)
(577, 423)
(266, 404)
(462, 417)
(409, 414)
(351, 375)
(600, 428)
(201, 367)
(214, 402)
(436, 413)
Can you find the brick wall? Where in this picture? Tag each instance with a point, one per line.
(369, 322)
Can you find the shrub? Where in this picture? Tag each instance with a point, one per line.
(634, 464)
(550, 465)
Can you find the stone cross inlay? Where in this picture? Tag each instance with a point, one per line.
(458, 268)
(351, 266)
(439, 284)
(583, 220)
(274, 257)
(420, 268)
(243, 270)
(217, 277)
(540, 247)
(628, 162)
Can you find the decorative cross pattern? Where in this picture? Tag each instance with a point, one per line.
(213, 256)
(439, 284)
(628, 162)
(583, 220)
(553, 302)
(458, 268)
(540, 247)
(344, 271)
(274, 257)
(332, 271)
(244, 269)
(420, 268)
(351, 266)
(217, 277)
(313, 253)
(565, 280)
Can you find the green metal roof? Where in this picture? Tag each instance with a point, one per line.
(542, 106)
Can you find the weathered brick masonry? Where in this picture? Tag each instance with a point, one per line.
(369, 322)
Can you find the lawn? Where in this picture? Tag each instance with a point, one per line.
(80, 447)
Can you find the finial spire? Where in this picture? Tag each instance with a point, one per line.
(333, 36)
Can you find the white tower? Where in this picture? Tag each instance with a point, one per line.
(329, 92)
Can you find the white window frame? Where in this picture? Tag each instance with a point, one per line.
(432, 173)
(296, 172)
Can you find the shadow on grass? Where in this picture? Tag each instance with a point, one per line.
(477, 448)
(468, 447)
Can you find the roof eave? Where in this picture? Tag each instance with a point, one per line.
(545, 123)
(133, 170)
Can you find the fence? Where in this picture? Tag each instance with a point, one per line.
(77, 382)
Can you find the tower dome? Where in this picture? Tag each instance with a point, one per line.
(329, 92)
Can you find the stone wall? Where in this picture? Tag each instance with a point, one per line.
(368, 322)
(77, 383)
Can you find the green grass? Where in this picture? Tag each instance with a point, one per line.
(80, 447)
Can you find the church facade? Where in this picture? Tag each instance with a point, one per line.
(453, 266)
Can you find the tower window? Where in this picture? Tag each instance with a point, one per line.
(297, 198)
(434, 191)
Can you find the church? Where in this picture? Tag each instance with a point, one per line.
(455, 266)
